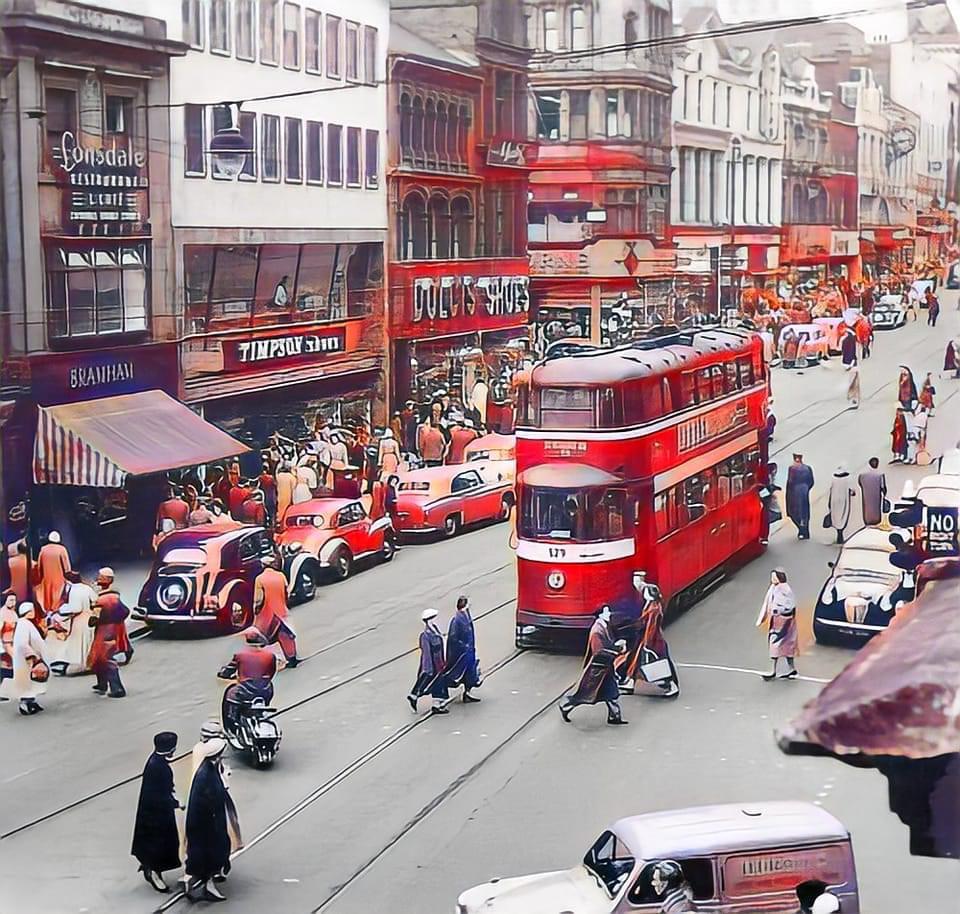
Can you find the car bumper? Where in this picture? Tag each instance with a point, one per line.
(146, 615)
(855, 633)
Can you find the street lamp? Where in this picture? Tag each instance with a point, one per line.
(736, 156)
(228, 148)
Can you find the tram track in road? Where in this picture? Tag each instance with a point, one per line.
(320, 693)
(321, 790)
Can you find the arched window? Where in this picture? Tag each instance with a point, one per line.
(430, 131)
(883, 212)
(439, 223)
(453, 150)
(413, 227)
(462, 128)
(417, 130)
(578, 28)
(406, 129)
(798, 135)
(461, 222)
(630, 29)
(442, 154)
(797, 208)
(818, 203)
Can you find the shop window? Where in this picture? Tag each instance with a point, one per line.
(370, 36)
(311, 40)
(293, 150)
(246, 29)
(413, 228)
(291, 36)
(333, 46)
(371, 159)
(194, 133)
(269, 32)
(461, 222)
(334, 155)
(364, 277)
(192, 13)
(270, 134)
(314, 282)
(439, 223)
(118, 114)
(276, 276)
(220, 26)
(96, 291)
(352, 42)
(234, 274)
(353, 157)
(248, 130)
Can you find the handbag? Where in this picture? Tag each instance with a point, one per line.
(827, 521)
(656, 670)
(39, 672)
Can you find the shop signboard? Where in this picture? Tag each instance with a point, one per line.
(276, 351)
(844, 244)
(71, 377)
(508, 153)
(606, 258)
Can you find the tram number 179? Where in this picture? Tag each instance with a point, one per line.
(557, 552)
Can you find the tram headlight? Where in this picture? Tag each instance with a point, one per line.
(556, 580)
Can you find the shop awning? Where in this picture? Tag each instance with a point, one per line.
(101, 442)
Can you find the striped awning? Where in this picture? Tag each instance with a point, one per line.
(101, 442)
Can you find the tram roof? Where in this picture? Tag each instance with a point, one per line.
(593, 365)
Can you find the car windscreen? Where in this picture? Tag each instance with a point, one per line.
(184, 556)
(611, 861)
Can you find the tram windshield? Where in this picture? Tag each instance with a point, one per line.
(580, 515)
(610, 861)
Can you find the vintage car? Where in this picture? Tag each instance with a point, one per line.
(336, 532)
(734, 858)
(863, 591)
(498, 451)
(814, 344)
(447, 498)
(832, 327)
(204, 576)
(889, 313)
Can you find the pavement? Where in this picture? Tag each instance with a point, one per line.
(371, 808)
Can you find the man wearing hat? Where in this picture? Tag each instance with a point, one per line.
(110, 638)
(53, 563)
(270, 603)
(28, 652)
(430, 676)
(156, 839)
(207, 834)
(799, 483)
(253, 667)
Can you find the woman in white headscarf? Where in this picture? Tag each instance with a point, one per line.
(840, 501)
(779, 614)
(28, 655)
(388, 457)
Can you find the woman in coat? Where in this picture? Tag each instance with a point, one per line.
(906, 388)
(898, 435)
(840, 501)
(208, 839)
(388, 457)
(430, 676)
(156, 838)
(779, 614)
(28, 652)
(598, 682)
(927, 393)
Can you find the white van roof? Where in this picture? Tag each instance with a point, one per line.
(950, 463)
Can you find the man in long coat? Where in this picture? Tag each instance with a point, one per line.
(208, 839)
(840, 501)
(270, 602)
(431, 678)
(873, 489)
(462, 666)
(799, 483)
(598, 682)
(53, 563)
(156, 840)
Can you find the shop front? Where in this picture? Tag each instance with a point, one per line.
(816, 254)
(892, 253)
(460, 326)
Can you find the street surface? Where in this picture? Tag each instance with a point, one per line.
(369, 808)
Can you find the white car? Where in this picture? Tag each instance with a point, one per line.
(888, 313)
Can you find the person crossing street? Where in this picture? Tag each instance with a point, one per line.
(270, 603)
(431, 679)
(463, 668)
(598, 682)
(156, 838)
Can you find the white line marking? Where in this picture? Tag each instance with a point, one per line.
(740, 669)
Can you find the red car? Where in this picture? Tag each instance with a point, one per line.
(336, 532)
(446, 499)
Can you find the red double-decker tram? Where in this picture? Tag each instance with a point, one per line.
(649, 457)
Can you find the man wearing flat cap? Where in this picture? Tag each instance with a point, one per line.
(156, 840)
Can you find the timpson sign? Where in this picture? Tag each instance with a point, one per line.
(274, 351)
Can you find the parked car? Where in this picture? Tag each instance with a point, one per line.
(889, 313)
(832, 327)
(204, 576)
(814, 344)
(447, 498)
(336, 532)
(498, 451)
(734, 858)
(953, 275)
(863, 591)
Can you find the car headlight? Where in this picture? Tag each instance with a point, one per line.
(556, 580)
(171, 594)
(829, 595)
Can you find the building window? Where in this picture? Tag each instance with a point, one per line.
(371, 159)
(352, 40)
(406, 129)
(503, 103)
(630, 30)
(416, 131)
(314, 152)
(579, 113)
(749, 108)
(551, 30)
(270, 137)
(98, 291)
(430, 133)
(311, 40)
(118, 114)
(631, 113)
(439, 225)
(370, 36)
(686, 96)
(248, 130)
(269, 33)
(578, 29)
(688, 209)
(291, 36)
(353, 157)
(463, 128)
(61, 108)
(699, 101)
(461, 227)
(334, 155)
(221, 121)
(220, 26)
(548, 115)
(621, 208)
(612, 107)
(333, 46)
(412, 235)
(194, 133)
(293, 150)
(246, 29)
(192, 11)
(729, 105)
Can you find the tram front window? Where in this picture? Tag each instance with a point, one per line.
(579, 515)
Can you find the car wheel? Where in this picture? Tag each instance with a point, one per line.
(306, 588)
(341, 565)
(241, 610)
(451, 526)
(389, 549)
(505, 507)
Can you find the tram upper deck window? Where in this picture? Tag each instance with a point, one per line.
(745, 367)
(578, 515)
(567, 407)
